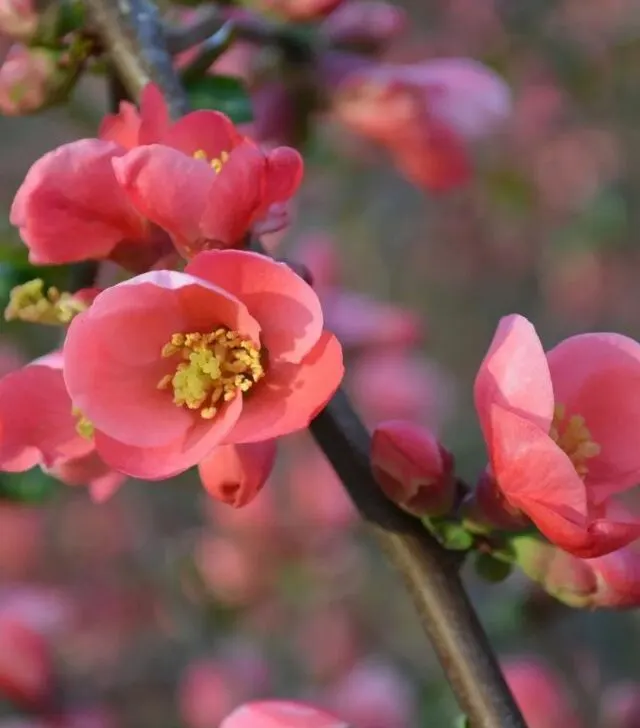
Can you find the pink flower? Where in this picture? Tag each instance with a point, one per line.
(25, 664)
(369, 23)
(38, 427)
(235, 474)
(280, 714)
(103, 198)
(425, 113)
(412, 468)
(181, 360)
(206, 694)
(561, 431)
(540, 694)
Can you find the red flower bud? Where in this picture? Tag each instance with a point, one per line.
(412, 468)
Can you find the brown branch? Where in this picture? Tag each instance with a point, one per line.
(429, 571)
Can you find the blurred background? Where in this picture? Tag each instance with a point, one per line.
(162, 608)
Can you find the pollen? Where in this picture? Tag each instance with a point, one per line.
(84, 426)
(30, 302)
(216, 164)
(213, 369)
(573, 436)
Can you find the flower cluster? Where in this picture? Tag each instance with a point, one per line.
(208, 364)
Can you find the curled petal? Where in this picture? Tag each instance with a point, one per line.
(597, 376)
(167, 187)
(514, 375)
(70, 206)
(292, 394)
(287, 308)
(283, 174)
(122, 128)
(205, 131)
(172, 458)
(235, 474)
(36, 423)
(154, 115)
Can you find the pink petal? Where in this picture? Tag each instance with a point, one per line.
(235, 474)
(122, 128)
(280, 714)
(287, 308)
(283, 174)
(236, 196)
(514, 375)
(209, 131)
(467, 95)
(103, 487)
(531, 469)
(619, 574)
(167, 187)
(172, 458)
(117, 343)
(597, 376)
(70, 206)
(291, 395)
(154, 115)
(36, 424)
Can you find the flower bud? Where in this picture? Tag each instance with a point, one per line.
(235, 474)
(412, 468)
(18, 19)
(27, 80)
(610, 581)
(367, 24)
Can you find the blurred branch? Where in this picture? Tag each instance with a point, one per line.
(429, 571)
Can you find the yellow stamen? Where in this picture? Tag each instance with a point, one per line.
(573, 436)
(213, 369)
(29, 302)
(216, 164)
(84, 426)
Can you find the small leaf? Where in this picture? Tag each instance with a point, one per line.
(222, 93)
(452, 535)
(32, 487)
(492, 569)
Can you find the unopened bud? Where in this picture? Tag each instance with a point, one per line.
(611, 581)
(18, 19)
(27, 80)
(365, 24)
(412, 468)
(486, 509)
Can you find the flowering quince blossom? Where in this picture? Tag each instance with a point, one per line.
(425, 114)
(168, 366)
(280, 714)
(561, 431)
(146, 183)
(38, 426)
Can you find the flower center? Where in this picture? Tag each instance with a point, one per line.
(84, 426)
(214, 368)
(30, 302)
(572, 435)
(216, 164)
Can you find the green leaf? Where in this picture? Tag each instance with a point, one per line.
(222, 93)
(492, 569)
(462, 722)
(32, 487)
(452, 535)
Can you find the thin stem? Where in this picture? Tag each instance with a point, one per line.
(429, 571)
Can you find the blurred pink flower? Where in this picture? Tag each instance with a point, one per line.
(25, 665)
(373, 695)
(369, 23)
(620, 706)
(27, 78)
(540, 694)
(280, 714)
(207, 693)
